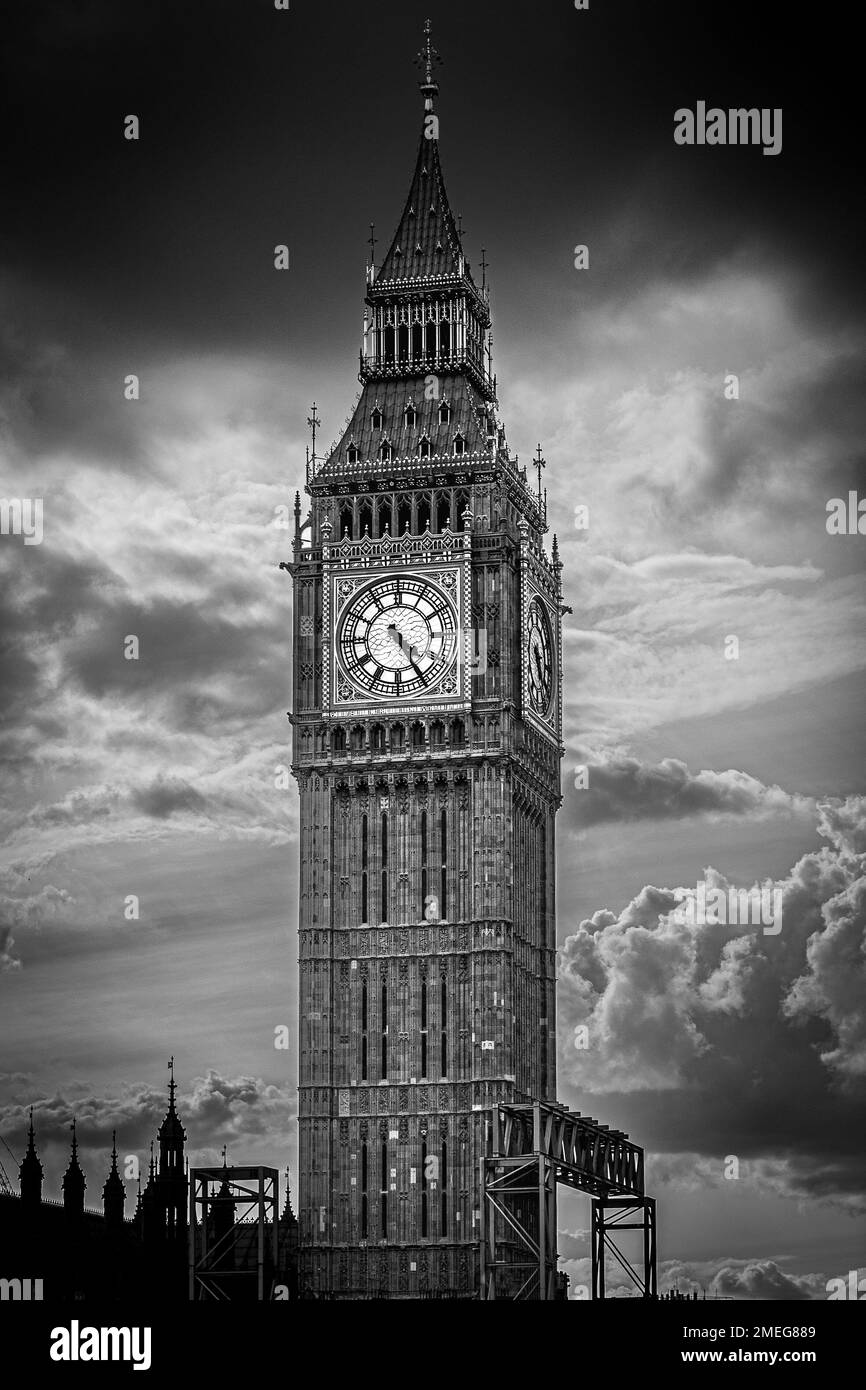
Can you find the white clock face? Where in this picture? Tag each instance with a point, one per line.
(539, 657)
(397, 637)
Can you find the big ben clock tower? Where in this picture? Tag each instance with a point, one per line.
(426, 744)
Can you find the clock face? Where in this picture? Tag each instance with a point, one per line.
(539, 657)
(397, 637)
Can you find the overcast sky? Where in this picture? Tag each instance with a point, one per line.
(707, 520)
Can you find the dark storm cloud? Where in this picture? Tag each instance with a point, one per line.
(250, 121)
(167, 795)
(626, 789)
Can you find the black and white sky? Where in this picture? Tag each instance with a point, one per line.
(260, 127)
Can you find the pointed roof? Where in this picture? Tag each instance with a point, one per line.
(468, 416)
(426, 242)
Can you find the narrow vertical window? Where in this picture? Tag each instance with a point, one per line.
(364, 1031)
(384, 916)
(423, 1027)
(364, 1196)
(424, 1189)
(443, 875)
(443, 1024)
(384, 1032)
(384, 1194)
(423, 863)
(364, 904)
(443, 1183)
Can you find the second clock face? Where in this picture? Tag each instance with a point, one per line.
(539, 656)
(397, 637)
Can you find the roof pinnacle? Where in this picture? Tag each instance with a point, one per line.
(427, 60)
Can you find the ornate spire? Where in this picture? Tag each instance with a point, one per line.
(288, 1214)
(114, 1192)
(30, 1172)
(171, 1135)
(74, 1181)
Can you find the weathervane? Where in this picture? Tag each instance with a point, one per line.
(371, 242)
(484, 264)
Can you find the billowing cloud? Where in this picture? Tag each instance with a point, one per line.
(724, 1035)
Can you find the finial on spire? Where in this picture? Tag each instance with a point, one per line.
(172, 1085)
(314, 422)
(427, 60)
(539, 464)
(74, 1139)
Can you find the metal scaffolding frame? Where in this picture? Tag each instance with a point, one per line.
(532, 1148)
(602, 1241)
(253, 1199)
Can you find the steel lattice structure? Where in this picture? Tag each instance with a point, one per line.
(532, 1148)
(226, 1205)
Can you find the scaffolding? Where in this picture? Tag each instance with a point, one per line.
(233, 1233)
(532, 1148)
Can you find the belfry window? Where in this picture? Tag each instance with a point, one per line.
(459, 444)
(376, 419)
(351, 454)
(444, 413)
(411, 417)
(424, 448)
(385, 453)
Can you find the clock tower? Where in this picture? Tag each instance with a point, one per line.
(426, 745)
